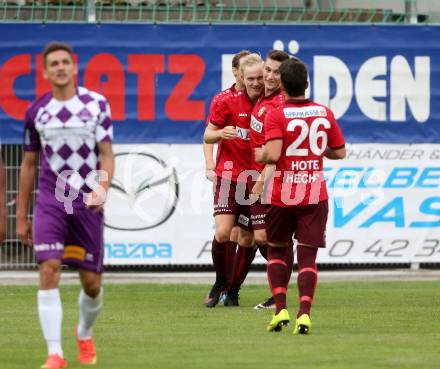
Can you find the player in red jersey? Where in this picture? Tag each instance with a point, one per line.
(271, 98)
(237, 86)
(298, 136)
(208, 149)
(229, 125)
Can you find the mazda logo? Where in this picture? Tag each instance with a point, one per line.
(143, 193)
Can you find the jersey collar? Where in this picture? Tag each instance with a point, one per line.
(298, 102)
(276, 92)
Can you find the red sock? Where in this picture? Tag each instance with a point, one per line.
(218, 252)
(243, 261)
(263, 250)
(307, 277)
(289, 262)
(277, 275)
(231, 251)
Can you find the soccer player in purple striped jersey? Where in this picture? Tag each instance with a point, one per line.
(69, 131)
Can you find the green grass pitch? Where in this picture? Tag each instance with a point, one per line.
(355, 325)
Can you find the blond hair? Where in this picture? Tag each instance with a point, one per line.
(250, 60)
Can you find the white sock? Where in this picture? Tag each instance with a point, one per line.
(51, 317)
(89, 309)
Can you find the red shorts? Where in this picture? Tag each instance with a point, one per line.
(258, 215)
(232, 198)
(258, 211)
(307, 222)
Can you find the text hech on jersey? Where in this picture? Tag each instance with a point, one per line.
(106, 74)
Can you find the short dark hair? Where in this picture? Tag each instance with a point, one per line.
(55, 46)
(277, 55)
(238, 56)
(294, 77)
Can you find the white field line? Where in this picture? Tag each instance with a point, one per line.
(31, 277)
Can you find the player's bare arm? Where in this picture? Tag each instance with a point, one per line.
(335, 154)
(97, 197)
(208, 150)
(258, 153)
(28, 171)
(257, 189)
(265, 175)
(3, 210)
(214, 134)
(272, 151)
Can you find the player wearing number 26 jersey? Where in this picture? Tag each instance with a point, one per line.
(298, 136)
(306, 128)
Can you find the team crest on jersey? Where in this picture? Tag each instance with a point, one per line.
(244, 220)
(44, 117)
(261, 111)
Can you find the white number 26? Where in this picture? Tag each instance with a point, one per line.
(313, 134)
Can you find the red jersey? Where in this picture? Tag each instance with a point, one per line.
(261, 108)
(306, 129)
(218, 97)
(233, 109)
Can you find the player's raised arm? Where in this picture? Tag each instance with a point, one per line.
(264, 176)
(272, 151)
(214, 133)
(218, 127)
(28, 170)
(208, 149)
(274, 139)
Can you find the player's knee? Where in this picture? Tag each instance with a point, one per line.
(260, 237)
(92, 289)
(222, 234)
(234, 234)
(48, 271)
(49, 274)
(245, 240)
